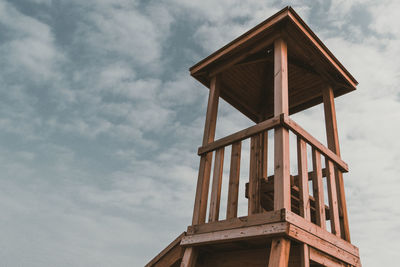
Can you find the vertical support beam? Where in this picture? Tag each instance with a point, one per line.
(234, 175)
(332, 195)
(318, 189)
(189, 257)
(281, 138)
(200, 204)
(304, 195)
(264, 150)
(333, 144)
(279, 255)
(254, 203)
(216, 185)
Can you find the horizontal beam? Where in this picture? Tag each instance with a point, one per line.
(245, 221)
(257, 231)
(241, 135)
(298, 130)
(324, 259)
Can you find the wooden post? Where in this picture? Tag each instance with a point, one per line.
(333, 144)
(234, 175)
(279, 255)
(189, 257)
(280, 249)
(281, 138)
(304, 195)
(203, 181)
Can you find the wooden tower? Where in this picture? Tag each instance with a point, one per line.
(278, 68)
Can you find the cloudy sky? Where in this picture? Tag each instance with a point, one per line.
(100, 122)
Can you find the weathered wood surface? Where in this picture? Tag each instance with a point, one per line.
(279, 255)
(190, 257)
(318, 189)
(234, 175)
(324, 259)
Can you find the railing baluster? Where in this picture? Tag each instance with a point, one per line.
(318, 189)
(234, 175)
(216, 185)
(333, 203)
(304, 194)
(254, 204)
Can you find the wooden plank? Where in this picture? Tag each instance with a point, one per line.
(324, 259)
(264, 155)
(190, 257)
(234, 175)
(216, 185)
(318, 189)
(279, 255)
(241, 222)
(304, 195)
(333, 144)
(166, 250)
(298, 130)
(304, 255)
(203, 180)
(323, 245)
(322, 233)
(281, 137)
(241, 135)
(254, 204)
(257, 231)
(332, 195)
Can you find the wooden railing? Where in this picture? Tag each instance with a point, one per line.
(259, 189)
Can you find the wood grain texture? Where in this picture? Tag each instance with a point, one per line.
(234, 176)
(254, 204)
(189, 257)
(216, 185)
(304, 195)
(332, 196)
(279, 255)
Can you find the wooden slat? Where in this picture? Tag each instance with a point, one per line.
(281, 137)
(264, 155)
(234, 175)
(332, 195)
(324, 259)
(254, 204)
(203, 180)
(318, 189)
(314, 241)
(333, 144)
(279, 255)
(241, 135)
(304, 194)
(241, 222)
(216, 185)
(298, 130)
(189, 257)
(258, 231)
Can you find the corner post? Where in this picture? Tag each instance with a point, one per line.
(280, 247)
(333, 144)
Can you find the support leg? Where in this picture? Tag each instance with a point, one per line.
(190, 257)
(279, 256)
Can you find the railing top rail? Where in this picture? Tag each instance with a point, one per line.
(298, 130)
(284, 121)
(241, 135)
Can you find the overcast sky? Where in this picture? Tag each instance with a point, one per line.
(100, 122)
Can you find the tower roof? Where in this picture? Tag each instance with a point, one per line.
(246, 67)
